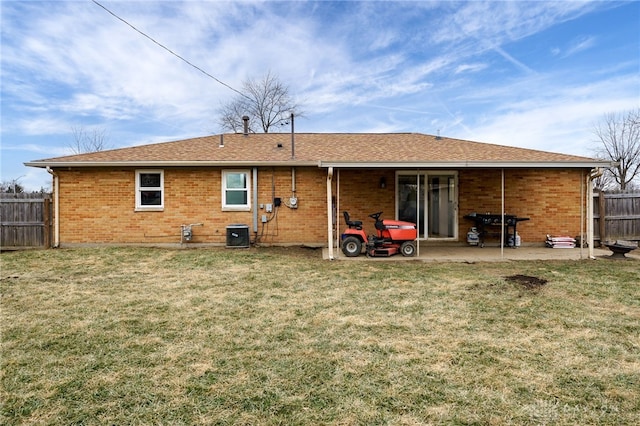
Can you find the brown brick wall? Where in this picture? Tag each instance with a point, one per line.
(98, 205)
(361, 195)
(551, 198)
(307, 223)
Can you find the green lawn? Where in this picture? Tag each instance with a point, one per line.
(279, 336)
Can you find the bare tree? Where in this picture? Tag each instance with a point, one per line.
(11, 187)
(231, 116)
(619, 140)
(266, 102)
(605, 182)
(88, 141)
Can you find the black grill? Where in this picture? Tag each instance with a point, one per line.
(484, 222)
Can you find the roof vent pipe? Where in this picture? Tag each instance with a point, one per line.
(221, 141)
(245, 118)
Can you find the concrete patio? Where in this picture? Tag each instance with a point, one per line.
(471, 254)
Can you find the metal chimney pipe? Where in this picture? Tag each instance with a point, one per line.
(245, 118)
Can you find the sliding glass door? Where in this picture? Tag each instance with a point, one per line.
(429, 199)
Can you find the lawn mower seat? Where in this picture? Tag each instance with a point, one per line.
(352, 223)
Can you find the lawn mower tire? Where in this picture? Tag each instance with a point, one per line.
(408, 249)
(351, 246)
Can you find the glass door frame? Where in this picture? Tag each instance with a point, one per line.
(422, 178)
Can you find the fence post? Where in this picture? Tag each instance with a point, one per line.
(46, 212)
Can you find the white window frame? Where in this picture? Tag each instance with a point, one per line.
(236, 207)
(140, 189)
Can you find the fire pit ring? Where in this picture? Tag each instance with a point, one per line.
(620, 248)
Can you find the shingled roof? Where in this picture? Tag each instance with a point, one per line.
(322, 150)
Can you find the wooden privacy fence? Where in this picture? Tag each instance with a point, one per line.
(25, 221)
(616, 216)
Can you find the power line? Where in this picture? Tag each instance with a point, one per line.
(169, 50)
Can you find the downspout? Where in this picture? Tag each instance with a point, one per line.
(56, 209)
(255, 204)
(293, 169)
(329, 213)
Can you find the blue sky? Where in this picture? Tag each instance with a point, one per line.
(531, 74)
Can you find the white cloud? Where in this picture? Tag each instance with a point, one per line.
(39, 125)
(369, 66)
(463, 68)
(39, 149)
(579, 45)
(561, 121)
(497, 22)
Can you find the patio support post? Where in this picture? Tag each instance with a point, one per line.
(502, 219)
(418, 230)
(582, 212)
(594, 173)
(329, 213)
(337, 217)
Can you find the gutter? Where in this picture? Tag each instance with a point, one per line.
(327, 164)
(466, 164)
(173, 163)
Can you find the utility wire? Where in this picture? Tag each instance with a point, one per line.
(170, 51)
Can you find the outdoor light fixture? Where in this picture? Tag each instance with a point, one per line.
(383, 182)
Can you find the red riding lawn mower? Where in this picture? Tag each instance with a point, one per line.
(392, 236)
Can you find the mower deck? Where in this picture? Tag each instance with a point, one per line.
(382, 252)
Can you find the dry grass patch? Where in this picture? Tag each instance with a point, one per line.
(279, 336)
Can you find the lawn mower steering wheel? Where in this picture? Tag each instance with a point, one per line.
(375, 216)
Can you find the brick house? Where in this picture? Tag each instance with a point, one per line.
(291, 189)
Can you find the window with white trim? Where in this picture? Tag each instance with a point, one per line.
(235, 190)
(150, 190)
